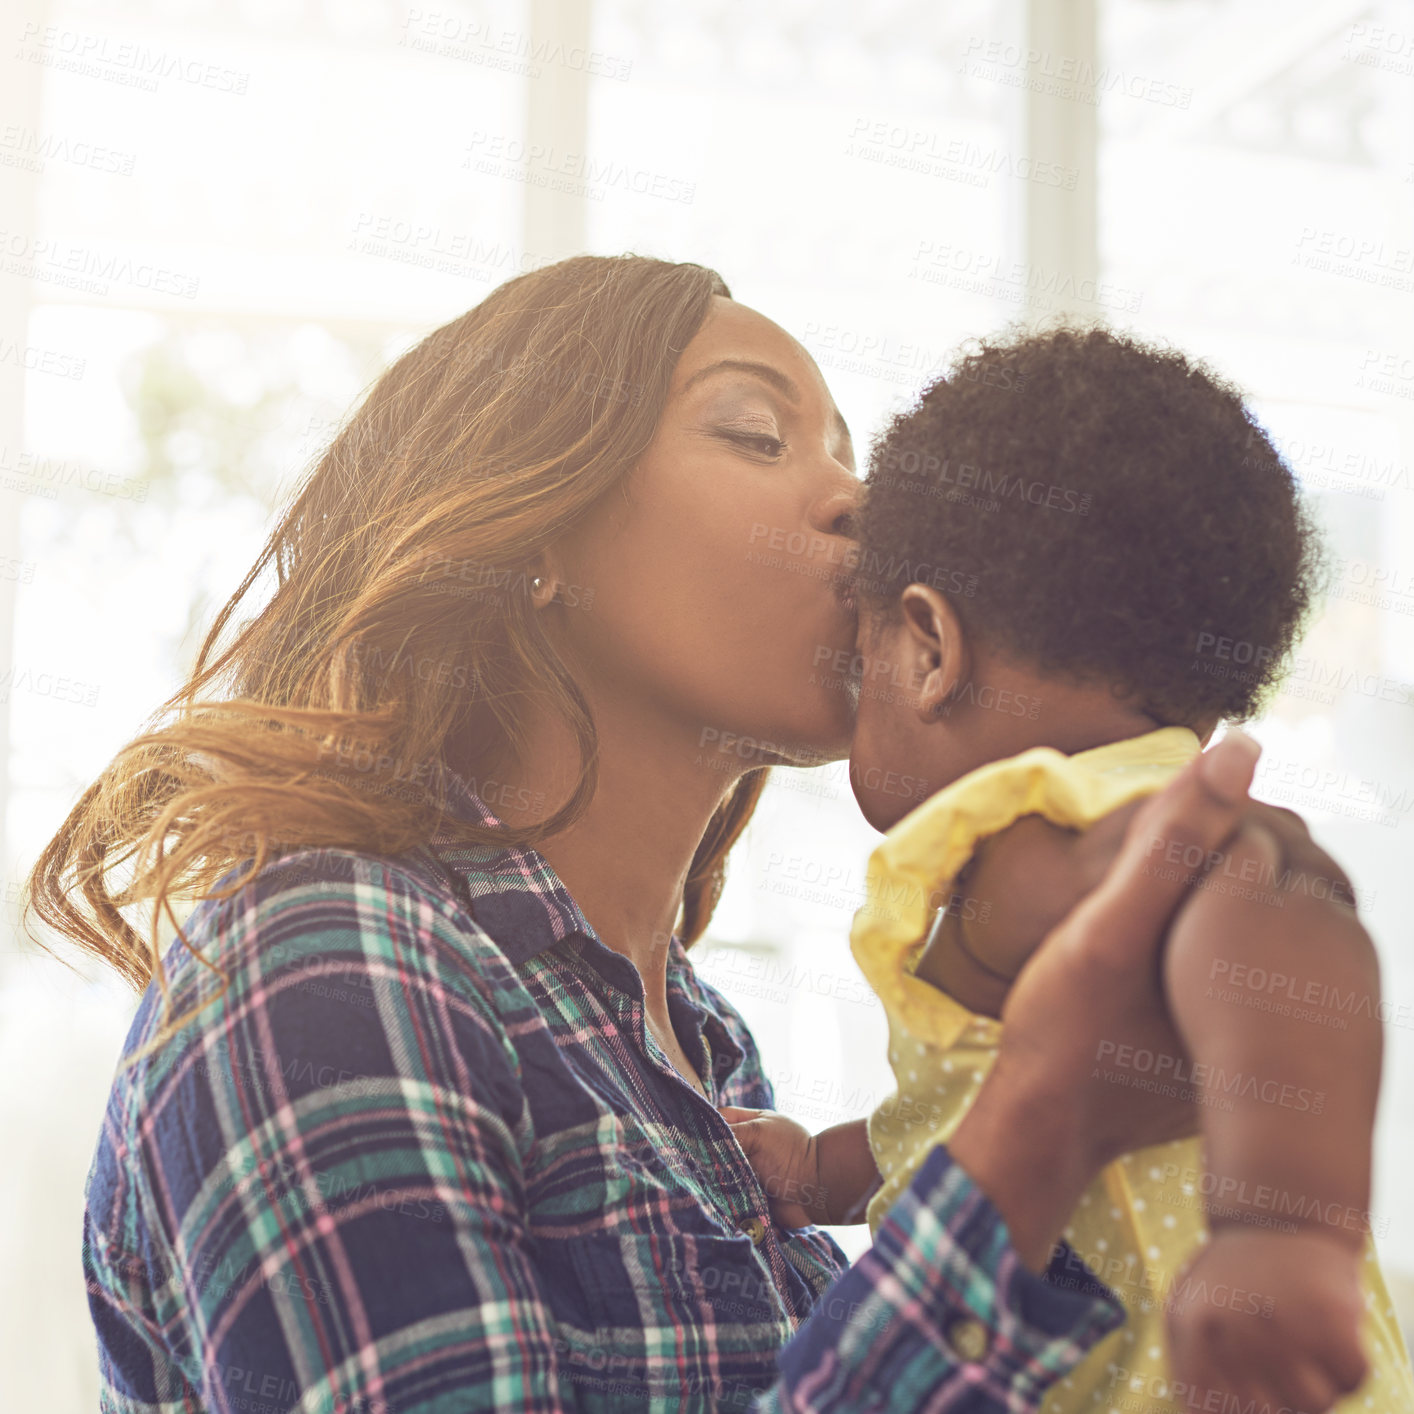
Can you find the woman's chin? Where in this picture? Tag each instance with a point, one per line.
(822, 740)
(840, 701)
(881, 812)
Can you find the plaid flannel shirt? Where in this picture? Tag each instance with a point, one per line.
(424, 1157)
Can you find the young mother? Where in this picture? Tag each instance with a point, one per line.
(420, 1114)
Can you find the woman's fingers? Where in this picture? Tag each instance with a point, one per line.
(1170, 839)
(1301, 852)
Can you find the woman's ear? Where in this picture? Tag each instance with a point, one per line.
(545, 577)
(938, 648)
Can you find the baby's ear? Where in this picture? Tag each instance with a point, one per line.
(934, 648)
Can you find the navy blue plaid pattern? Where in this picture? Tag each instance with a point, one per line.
(424, 1157)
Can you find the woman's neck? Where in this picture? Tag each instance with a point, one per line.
(625, 859)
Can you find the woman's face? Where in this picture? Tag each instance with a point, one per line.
(715, 571)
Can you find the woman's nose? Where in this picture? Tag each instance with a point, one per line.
(837, 513)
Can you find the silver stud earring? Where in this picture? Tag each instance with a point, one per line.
(537, 584)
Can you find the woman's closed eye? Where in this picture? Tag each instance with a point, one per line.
(761, 442)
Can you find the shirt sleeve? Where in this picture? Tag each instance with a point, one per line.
(942, 1311)
(333, 1168)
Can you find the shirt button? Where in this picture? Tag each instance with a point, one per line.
(755, 1229)
(969, 1339)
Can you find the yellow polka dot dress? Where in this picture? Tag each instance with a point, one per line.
(1143, 1216)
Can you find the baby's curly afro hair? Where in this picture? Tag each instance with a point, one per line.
(1102, 509)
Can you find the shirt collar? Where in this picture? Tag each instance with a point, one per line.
(518, 898)
(514, 893)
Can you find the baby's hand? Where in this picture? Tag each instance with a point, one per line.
(786, 1159)
(1269, 1317)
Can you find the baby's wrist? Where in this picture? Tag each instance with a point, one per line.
(1350, 1241)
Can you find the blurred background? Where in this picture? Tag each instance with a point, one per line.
(218, 222)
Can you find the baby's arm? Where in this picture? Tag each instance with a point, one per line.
(1292, 1092)
(808, 1178)
(1289, 1099)
(1019, 884)
(1285, 1041)
(848, 1174)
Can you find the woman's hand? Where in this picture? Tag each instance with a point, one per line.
(1046, 1120)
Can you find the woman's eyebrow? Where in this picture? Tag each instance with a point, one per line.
(771, 375)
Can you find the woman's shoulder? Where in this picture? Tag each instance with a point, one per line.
(334, 1000)
(314, 929)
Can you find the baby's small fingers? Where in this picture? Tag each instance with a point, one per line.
(735, 1114)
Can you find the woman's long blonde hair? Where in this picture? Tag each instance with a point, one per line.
(399, 643)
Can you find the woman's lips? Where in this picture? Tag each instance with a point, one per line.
(843, 586)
